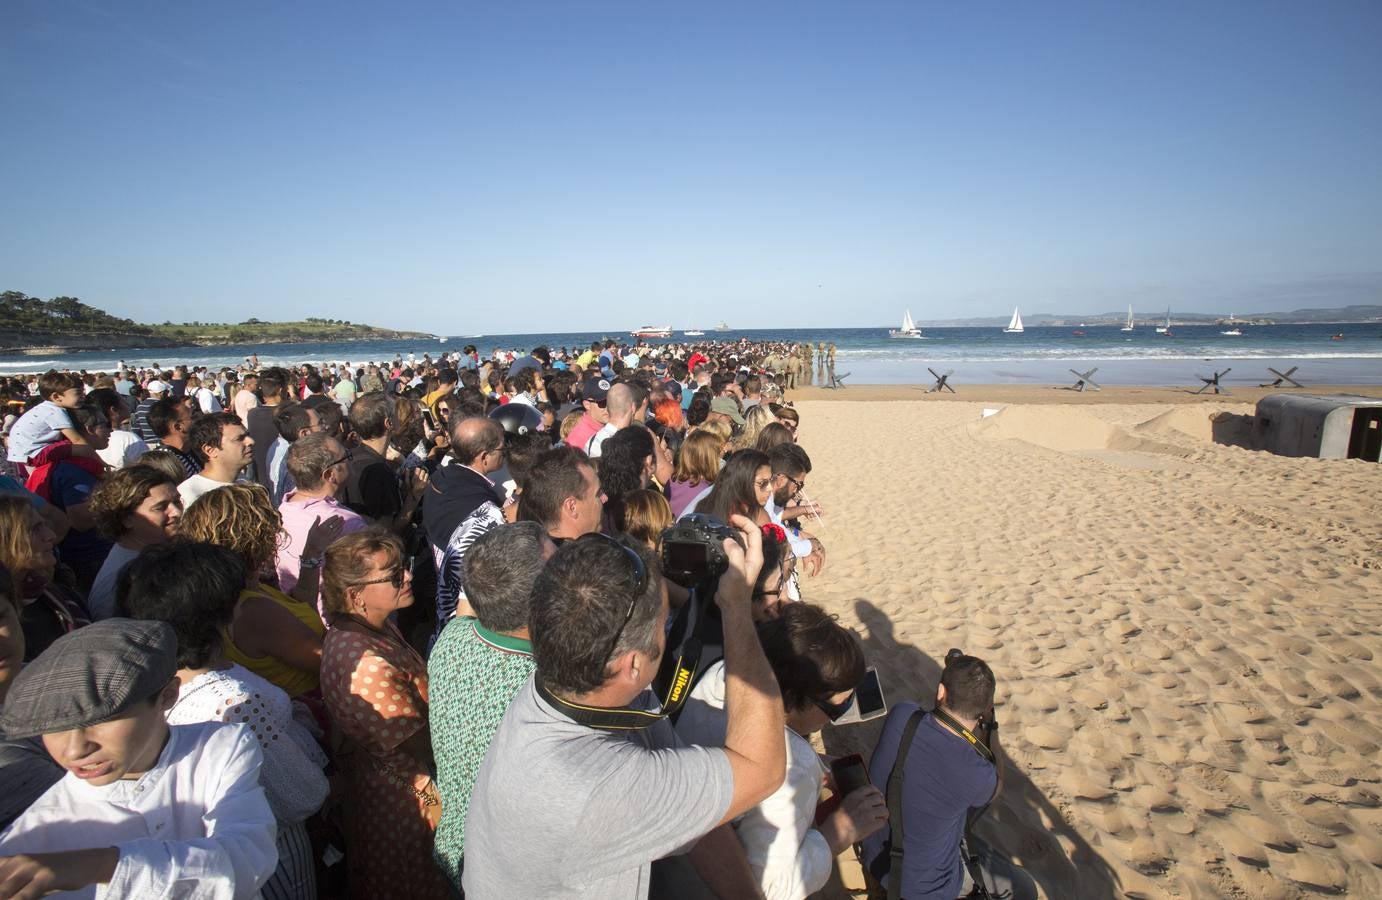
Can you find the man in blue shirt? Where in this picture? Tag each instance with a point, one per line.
(949, 773)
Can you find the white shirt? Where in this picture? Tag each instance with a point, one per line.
(123, 449)
(597, 440)
(196, 825)
(206, 399)
(292, 776)
(196, 485)
(791, 859)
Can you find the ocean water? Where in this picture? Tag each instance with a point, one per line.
(1040, 355)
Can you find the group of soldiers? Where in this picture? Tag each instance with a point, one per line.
(795, 363)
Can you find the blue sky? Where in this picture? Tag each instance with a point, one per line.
(606, 165)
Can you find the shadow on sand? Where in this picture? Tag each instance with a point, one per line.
(1023, 823)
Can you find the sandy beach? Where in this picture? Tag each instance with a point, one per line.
(1185, 634)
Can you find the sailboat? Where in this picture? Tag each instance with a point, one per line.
(1165, 329)
(909, 328)
(1015, 326)
(1128, 327)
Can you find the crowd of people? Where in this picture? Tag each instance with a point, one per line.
(400, 629)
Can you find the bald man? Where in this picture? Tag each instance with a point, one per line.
(462, 486)
(620, 404)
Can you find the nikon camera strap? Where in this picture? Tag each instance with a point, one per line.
(621, 718)
(896, 781)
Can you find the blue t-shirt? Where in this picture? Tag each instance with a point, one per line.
(36, 429)
(70, 486)
(945, 779)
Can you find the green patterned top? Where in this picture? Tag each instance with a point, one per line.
(472, 674)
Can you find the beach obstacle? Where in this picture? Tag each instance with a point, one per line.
(942, 381)
(1213, 382)
(1085, 379)
(1283, 376)
(836, 381)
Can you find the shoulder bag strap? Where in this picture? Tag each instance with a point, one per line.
(896, 779)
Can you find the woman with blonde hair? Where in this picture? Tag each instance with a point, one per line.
(276, 636)
(755, 420)
(719, 428)
(698, 464)
(47, 609)
(646, 516)
(375, 689)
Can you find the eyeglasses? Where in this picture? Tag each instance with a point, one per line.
(834, 710)
(599, 403)
(763, 484)
(501, 449)
(640, 578)
(349, 455)
(801, 485)
(396, 578)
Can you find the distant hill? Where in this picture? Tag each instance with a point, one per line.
(29, 324)
(1336, 315)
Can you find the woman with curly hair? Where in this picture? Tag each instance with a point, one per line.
(47, 609)
(375, 689)
(136, 507)
(755, 420)
(274, 635)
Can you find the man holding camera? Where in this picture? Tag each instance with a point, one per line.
(952, 769)
(585, 783)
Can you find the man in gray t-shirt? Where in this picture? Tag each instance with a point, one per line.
(585, 783)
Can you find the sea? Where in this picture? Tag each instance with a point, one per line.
(1319, 354)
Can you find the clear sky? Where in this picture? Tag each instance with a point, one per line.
(574, 165)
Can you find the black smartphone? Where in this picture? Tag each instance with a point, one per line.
(850, 774)
(869, 702)
(427, 418)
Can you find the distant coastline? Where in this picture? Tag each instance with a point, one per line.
(40, 343)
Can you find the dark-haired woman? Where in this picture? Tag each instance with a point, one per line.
(741, 488)
(195, 588)
(818, 663)
(626, 465)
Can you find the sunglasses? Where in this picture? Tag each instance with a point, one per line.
(835, 710)
(396, 578)
(640, 578)
(801, 485)
(763, 484)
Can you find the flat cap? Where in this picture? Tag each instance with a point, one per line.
(727, 406)
(91, 675)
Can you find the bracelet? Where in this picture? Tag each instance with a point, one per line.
(314, 563)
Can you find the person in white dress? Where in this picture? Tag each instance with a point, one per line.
(194, 588)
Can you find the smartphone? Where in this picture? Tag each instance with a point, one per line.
(850, 774)
(869, 702)
(428, 420)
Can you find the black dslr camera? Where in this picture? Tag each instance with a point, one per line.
(693, 550)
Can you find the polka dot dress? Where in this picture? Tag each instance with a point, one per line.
(375, 689)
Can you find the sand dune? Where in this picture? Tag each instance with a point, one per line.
(1186, 634)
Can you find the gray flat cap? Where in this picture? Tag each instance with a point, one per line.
(91, 675)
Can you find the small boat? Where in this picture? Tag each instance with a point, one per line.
(722, 327)
(1337, 337)
(653, 331)
(1014, 326)
(694, 333)
(1129, 326)
(1232, 332)
(1165, 329)
(1078, 331)
(909, 328)
(441, 340)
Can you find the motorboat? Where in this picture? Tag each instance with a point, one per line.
(722, 327)
(694, 333)
(652, 331)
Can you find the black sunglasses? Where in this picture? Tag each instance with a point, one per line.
(640, 578)
(396, 578)
(835, 710)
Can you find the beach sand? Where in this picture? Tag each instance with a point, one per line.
(1185, 634)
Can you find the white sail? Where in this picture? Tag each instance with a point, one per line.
(1015, 326)
(907, 323)
(1129, 326)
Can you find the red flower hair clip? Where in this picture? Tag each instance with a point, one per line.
(775, 531)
